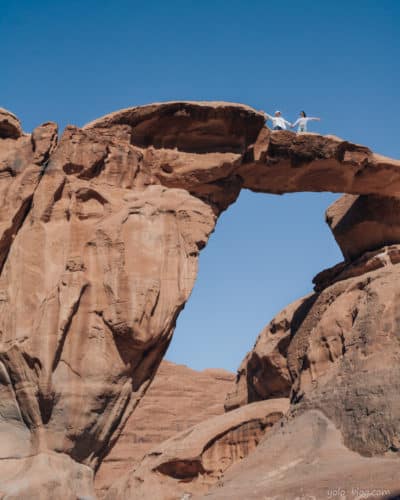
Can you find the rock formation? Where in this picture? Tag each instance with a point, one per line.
(177, 399)
(10, 127)
(193, 460)
(342, 354)
(99, 242)
(364, 223)
(264, 373)
(307, 459)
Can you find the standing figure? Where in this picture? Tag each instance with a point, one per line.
(278, 122)
(303, 120)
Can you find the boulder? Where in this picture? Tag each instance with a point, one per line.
(10, 126)
(364, 223)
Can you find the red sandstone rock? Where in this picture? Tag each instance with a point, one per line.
(347, 328)
(306, 458)
(99, 254)
(289, 162)
(86, 328)
(263, 374)
(45, 475)
(10, 126)
(264, 161)
(193, 460)
(344, 358)
(177, 399)
(364, 223)
(369, 261)
(21, 163)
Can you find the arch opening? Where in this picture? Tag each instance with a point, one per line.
(262, 256)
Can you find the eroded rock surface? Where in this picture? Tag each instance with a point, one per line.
(103, 270)
(364, 223)
(45, 475)
(263, 373)
(347, 328)
(341, 358)
(284, 162)
(344, 358)
(306, 458)
(99, 243)
(195, 459)
(10, 126)
(177, 399)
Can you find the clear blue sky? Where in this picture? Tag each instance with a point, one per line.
(72, 61)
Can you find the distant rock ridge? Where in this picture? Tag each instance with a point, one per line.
(100, 234)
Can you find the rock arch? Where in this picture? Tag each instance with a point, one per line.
(100, 237)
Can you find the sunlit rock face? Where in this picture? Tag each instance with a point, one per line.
(100, 235)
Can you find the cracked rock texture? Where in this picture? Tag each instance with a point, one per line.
(100, 235)
(10, 126)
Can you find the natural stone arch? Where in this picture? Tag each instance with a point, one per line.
(104, 276)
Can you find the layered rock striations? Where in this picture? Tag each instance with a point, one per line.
(177, 399)
(192, 461)
(100, 236)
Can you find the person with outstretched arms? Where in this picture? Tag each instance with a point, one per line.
(301, 122)
(278, 122)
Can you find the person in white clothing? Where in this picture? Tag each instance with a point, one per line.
(278, 122)
(301, 122)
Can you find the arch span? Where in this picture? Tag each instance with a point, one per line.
(239, 148)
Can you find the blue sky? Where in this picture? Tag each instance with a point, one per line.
(72, 61)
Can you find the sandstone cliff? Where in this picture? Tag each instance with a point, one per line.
(99, 241)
